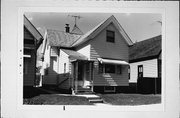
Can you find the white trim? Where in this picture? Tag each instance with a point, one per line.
(27, 56)
(110, 61)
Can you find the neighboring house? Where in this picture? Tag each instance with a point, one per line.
(145, 65)
(94, 61)
(32, 41)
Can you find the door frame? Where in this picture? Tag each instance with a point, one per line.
(140, 70)
(75, 69)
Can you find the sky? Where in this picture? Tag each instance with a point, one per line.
(138, 26)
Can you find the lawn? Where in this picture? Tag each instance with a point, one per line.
(56, 99)
(113, 99)
(131, 99)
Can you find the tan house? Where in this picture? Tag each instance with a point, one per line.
(95, 61)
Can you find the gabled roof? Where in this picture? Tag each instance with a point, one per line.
(61, 38)
(74, 55)
(76, 30)
(70, 40)
(92, 33)
(146, 49)
(31, 28)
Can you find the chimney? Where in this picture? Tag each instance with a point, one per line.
(67, 28)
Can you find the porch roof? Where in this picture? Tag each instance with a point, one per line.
(112, 61)
(74, 55)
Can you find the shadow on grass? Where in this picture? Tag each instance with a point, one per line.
(30, 92)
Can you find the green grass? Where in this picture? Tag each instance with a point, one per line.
(50, 99)
(131, 99)
(113, 99)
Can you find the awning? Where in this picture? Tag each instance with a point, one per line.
(73, 55)
(111, 61)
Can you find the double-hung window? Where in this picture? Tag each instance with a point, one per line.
(110, 36)
(109, 68)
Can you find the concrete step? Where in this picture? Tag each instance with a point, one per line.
(97, 100)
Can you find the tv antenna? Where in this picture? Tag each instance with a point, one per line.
(75, 18)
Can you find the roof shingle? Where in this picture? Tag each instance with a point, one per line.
(60, 38)
(145, 49)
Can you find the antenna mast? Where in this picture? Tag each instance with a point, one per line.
(75, 18)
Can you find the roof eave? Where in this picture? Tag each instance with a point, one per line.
(143, 58)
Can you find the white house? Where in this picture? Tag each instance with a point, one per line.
(145, 65)
(95, 61)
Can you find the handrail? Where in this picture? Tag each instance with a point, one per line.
(63, 80)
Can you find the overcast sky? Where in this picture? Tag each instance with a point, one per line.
(139, 26)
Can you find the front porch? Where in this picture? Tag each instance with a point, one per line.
(82, 76)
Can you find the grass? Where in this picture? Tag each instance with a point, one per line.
(131, 99)
(39, 97)
(54, 99)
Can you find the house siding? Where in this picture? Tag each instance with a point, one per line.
(118, 50)
(27, 34)
(150, 69)
(54, 51)
(51, 65)
(63, 59)
(85, 51)
(30, 64)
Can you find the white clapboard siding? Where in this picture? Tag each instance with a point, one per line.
(63, 59)
(118, 50)
(149, 69)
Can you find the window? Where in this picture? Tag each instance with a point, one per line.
(109, 89)
(129, 72)
(118, 70)
(110, 68)
(110, 36)
(64, 67)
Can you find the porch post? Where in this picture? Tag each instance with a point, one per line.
(76, 76)
(72, 77)
(91, 74)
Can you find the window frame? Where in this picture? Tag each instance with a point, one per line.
(64, 67)
(110, 39)
(102, 69)
(109, 90)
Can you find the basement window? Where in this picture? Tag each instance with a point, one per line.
(109, 89)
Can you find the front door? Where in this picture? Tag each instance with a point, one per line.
(139, 79)
(80, 74)
(140, 71)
